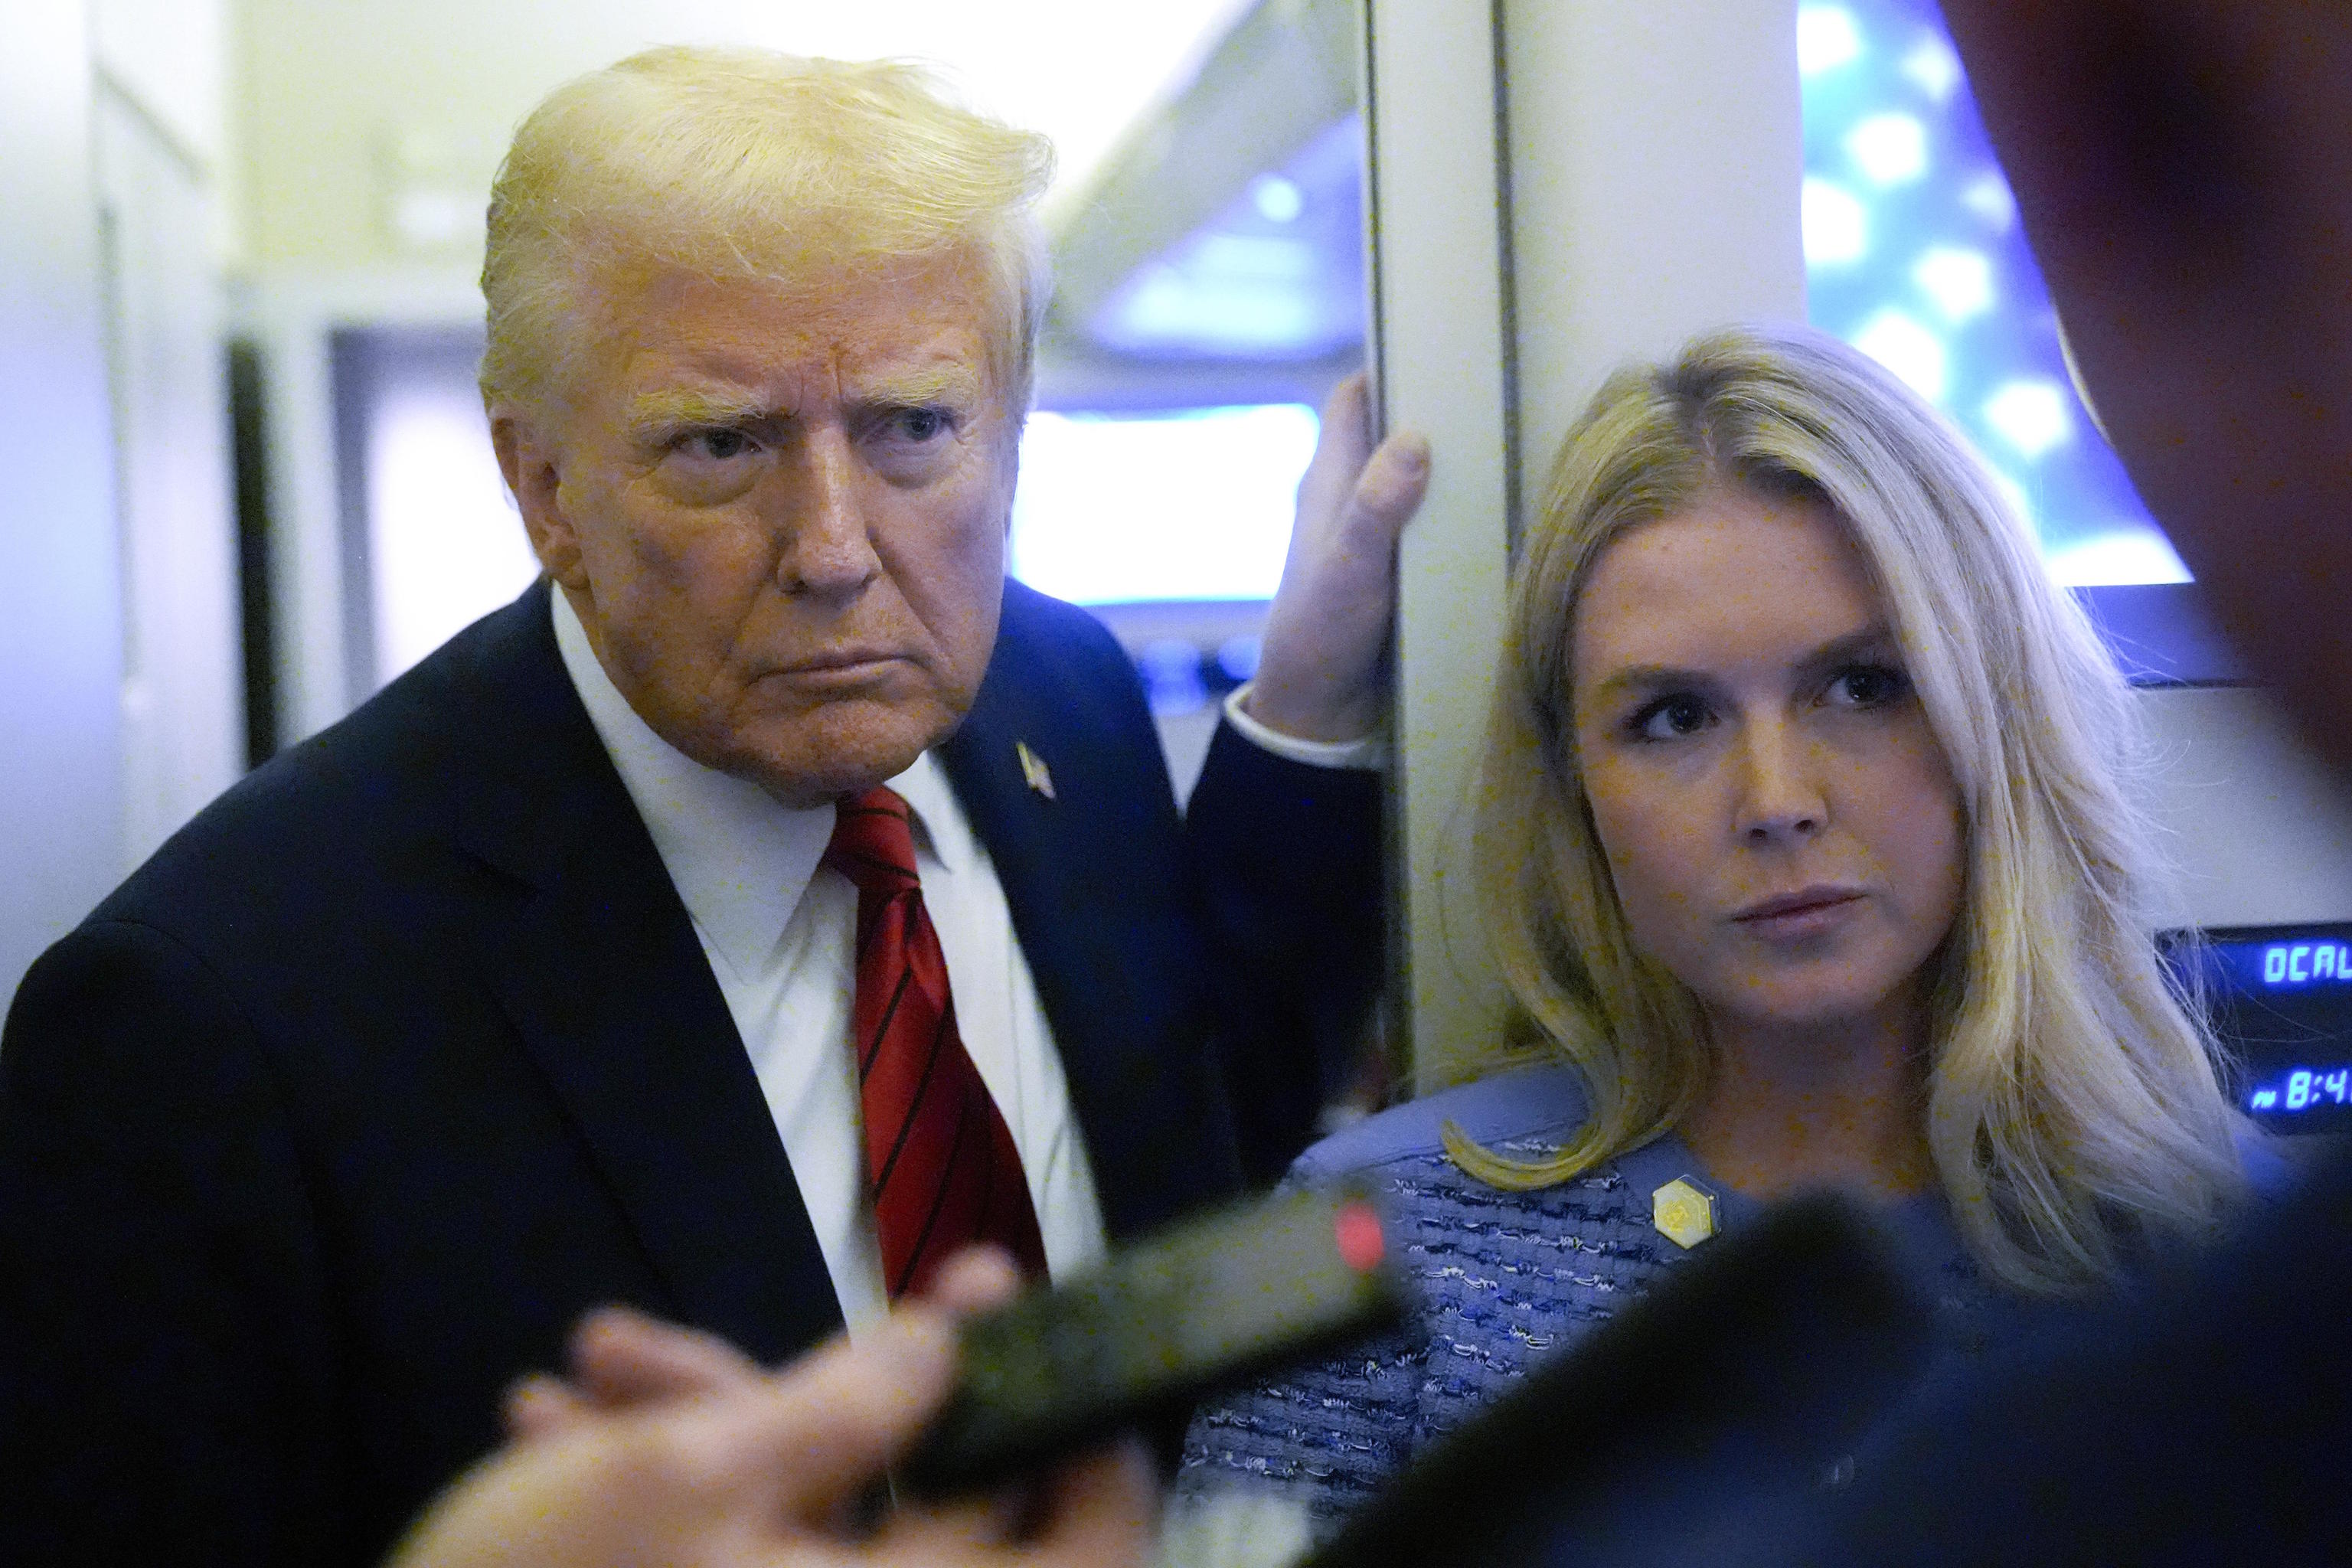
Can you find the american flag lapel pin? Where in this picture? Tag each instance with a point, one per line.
(1033, 770)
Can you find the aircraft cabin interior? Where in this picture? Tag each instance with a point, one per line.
(240, 327)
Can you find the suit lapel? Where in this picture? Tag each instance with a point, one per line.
(1092, 876)
(600, 973)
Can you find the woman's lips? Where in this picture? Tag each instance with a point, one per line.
(1808, 912)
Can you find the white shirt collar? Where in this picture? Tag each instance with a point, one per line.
(739, 858)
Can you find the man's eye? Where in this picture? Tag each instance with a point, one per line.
(920, 425)
(711, 445)
(714, 445)
(1670, 717)
(1868, 686)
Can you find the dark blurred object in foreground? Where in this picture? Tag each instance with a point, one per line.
(1684, 1428)
(2209, 1421)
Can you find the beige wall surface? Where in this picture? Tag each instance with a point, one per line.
(340, 111)
(170, 56)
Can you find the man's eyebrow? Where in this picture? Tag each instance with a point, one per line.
(945, 382)
(676, 406)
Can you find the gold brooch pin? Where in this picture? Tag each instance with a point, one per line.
(1684, 1212)
(1033, 769)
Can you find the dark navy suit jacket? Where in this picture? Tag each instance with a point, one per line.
(330, 1121)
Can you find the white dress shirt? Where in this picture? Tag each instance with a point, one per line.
(780, 932)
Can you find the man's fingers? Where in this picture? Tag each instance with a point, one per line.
(834, 1421)
(937, 1534)
(540, 1406)
(1341, 442)
(1348, 417)
(1098, 1512)
(974, 1279)
(620, 1358)
(1101, 1513)
(1391, 485)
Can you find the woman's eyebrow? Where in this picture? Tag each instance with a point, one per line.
(1647, 678)
(1875, 640)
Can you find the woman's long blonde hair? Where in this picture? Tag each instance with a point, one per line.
(2074, 1108)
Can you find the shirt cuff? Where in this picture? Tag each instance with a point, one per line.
(1371, 752)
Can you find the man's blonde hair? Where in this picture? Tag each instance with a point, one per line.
(2074, 1108)
(744, 164)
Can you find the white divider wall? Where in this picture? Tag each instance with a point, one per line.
(1437, 209)
(1657, 153)
(1557, 185)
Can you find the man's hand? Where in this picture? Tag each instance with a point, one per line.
(669, 1446)
(1321, 674)
(622, 1359)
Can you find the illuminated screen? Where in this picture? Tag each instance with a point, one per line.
(1121, 509)
(2282, 1001)
(2293, 963)
(1913, 254)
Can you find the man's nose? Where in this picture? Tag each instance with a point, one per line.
(1781, 796)
(824, 550)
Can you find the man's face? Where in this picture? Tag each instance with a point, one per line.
(780, 514)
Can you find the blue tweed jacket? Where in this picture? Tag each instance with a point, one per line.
(1507, 1278)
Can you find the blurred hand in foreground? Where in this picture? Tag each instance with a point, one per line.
(1321, 674)
(2184, 170)
(669, 1446)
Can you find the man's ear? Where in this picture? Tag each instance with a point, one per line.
(532, 461)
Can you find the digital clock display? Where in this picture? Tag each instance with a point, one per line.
(2301, 1088)
(2281, 1000)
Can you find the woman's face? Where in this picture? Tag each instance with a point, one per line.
(1783, 830)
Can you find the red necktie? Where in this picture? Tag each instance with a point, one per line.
(941, 1167)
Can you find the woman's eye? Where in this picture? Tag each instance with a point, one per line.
(1670, 717)
(1868, 686)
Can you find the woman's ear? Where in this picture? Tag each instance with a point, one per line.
(531, 460)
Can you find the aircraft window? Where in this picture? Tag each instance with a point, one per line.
(1913, 254)
(1276, 275)
(1192, 505)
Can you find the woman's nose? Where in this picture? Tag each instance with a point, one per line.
(1781, 797)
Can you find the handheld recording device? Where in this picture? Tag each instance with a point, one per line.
(1156, 1328)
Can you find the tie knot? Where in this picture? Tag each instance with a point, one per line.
(873, 842)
